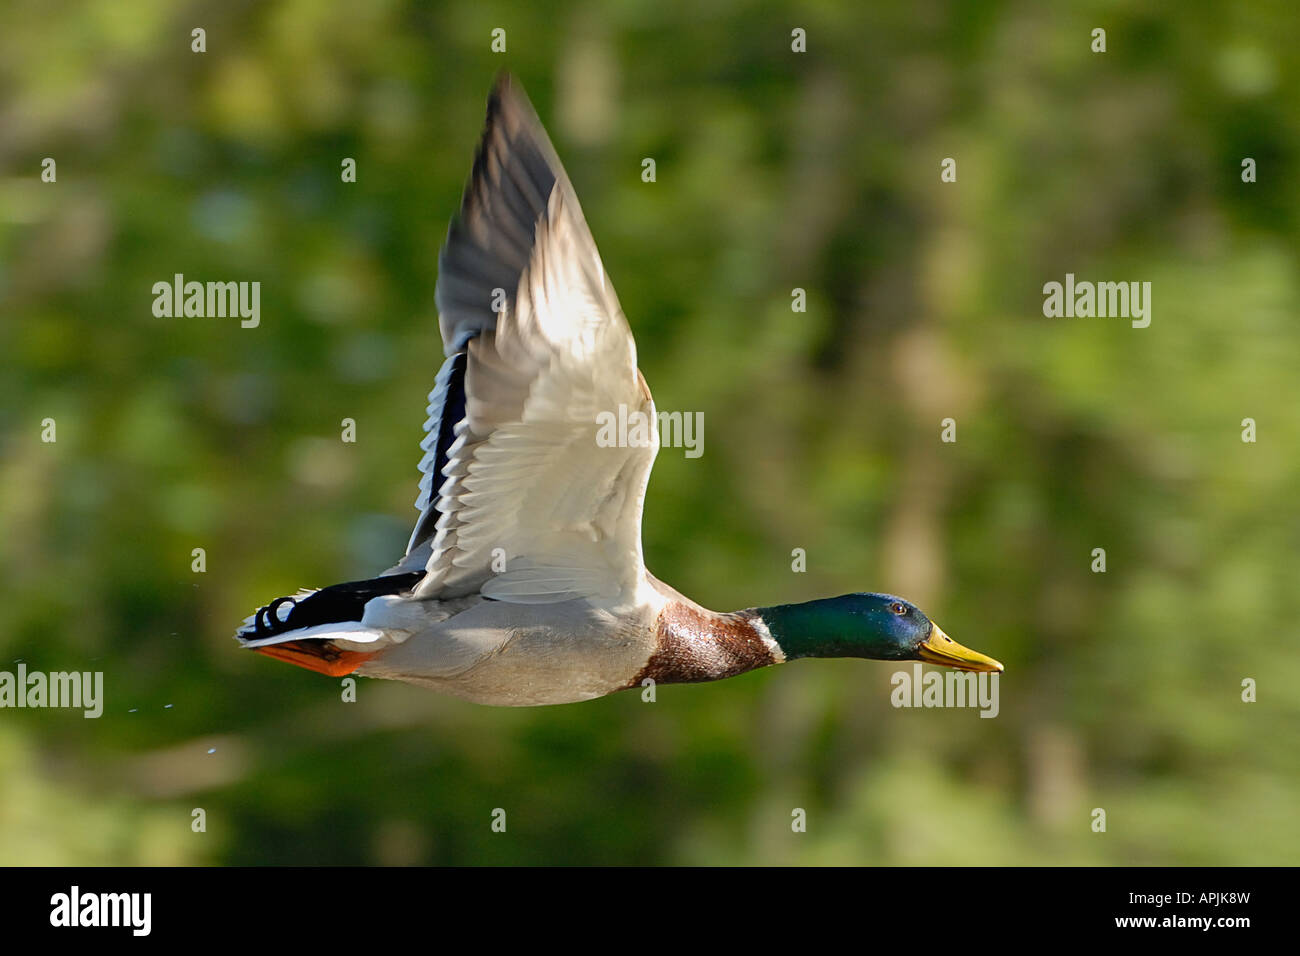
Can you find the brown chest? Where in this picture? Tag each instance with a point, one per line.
(694, 645)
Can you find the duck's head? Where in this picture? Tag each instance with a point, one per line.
(879, 627)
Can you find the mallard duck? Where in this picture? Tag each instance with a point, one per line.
(523, 582)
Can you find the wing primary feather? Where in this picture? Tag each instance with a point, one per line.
(491, 239)
(446, 410)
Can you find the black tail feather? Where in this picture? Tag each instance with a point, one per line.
(338, 602)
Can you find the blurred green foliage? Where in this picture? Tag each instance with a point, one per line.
(775, 170)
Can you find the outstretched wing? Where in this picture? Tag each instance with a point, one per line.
(524, 496)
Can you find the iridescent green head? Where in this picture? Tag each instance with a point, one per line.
(879, 627)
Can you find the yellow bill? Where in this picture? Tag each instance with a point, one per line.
(939, 648)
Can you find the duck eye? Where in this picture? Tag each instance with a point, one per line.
(898, 608)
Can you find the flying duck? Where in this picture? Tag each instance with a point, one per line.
(523, 582)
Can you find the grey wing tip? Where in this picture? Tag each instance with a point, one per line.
(508, 97)
(489, 240)
(509, 106)
(503, 84)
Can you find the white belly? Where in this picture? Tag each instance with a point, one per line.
(515, 655)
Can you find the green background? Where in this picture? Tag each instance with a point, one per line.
(775, 170)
